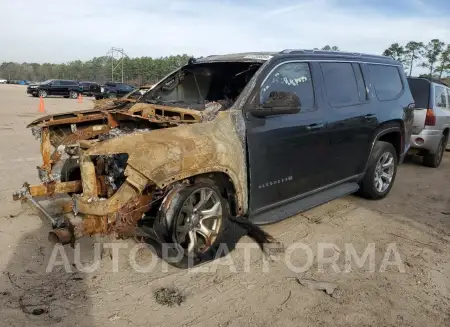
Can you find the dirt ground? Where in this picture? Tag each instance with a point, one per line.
(415, 218)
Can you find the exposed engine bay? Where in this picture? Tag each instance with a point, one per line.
(85, 158)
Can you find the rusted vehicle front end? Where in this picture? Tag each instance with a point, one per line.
(125, 163)
(115, 164)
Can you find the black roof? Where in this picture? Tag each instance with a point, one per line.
(299, 53)
(430, 80)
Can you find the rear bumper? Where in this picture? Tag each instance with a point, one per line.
(427, 140)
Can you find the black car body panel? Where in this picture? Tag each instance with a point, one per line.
(55, 87)
(328, 143)
(112, 89)
(89, 88)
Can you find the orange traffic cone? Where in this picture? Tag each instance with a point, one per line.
(41, 105)
(80, 98)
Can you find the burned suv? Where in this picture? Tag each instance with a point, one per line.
(254, 136)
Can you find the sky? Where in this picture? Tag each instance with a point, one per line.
(59, 31)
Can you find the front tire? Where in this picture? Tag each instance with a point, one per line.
(434, 160)
(193, 219)
(42, 93)
(112, 95)
(381, 171)
(73, 94)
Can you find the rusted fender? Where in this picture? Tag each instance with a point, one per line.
(168, 155)
(129, 190)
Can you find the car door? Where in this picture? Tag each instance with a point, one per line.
(55, 88)
(352, 119)
(287, 153)
(440, 108)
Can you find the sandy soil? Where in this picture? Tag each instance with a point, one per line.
(415, 218)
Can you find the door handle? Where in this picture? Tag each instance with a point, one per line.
(314, 127)
(370, 116)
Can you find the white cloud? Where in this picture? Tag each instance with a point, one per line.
(69, 30)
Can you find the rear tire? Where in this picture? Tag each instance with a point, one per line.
(434, 160)
(73, 94)
(381, 171)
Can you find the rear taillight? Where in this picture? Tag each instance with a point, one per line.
(430, 119)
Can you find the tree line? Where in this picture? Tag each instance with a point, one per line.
(136, 70)
(435, 55)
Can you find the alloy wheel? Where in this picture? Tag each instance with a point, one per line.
(384, 172)
(199, 221)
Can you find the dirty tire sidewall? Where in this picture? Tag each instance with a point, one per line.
(434, 160)
(368, 189)
(168, 213)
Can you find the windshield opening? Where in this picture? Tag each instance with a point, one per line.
(199, 84)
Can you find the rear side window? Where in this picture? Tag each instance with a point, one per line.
(448, 97)
(292, 77)
(68, 83)
(420, 90)
(340, 83)
(440, 96)
(386, 80)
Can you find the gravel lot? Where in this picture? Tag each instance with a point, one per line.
(415, 218)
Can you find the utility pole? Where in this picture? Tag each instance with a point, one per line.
(116, 56)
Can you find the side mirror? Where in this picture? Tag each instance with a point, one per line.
(278, 103)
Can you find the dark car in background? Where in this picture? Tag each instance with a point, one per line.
(89, 88)
(65, 88)
(113, 90)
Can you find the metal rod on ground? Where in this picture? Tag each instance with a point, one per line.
(41, 208)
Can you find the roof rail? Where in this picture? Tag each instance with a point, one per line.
(356, 54)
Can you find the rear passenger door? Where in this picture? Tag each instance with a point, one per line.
(351, 119)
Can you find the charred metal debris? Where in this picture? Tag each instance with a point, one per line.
(122, 194)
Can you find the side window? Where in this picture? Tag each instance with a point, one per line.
(362, 88)
(386, 80)
(440, 96)
(340, 83)
(294, 77)
(56, 83)
(448, 98)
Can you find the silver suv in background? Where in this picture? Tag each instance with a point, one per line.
(431, 120)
